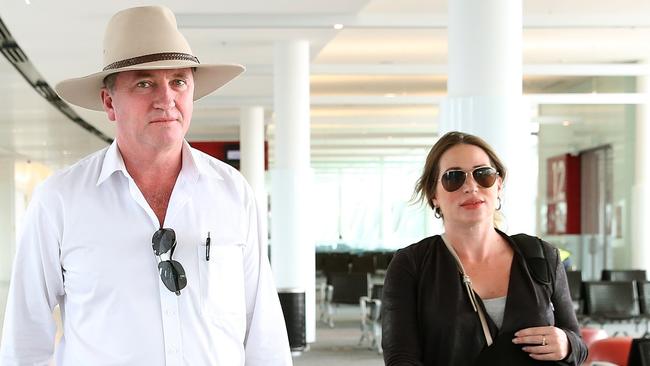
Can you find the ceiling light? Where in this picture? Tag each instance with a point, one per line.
(338, 26)
(28, 2)
(390, 95)
(566, 123)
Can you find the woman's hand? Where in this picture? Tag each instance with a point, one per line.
(543, 343)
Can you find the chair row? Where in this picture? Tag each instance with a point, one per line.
(575, 278)
(620, 296)
(355, 289)
(366, 262)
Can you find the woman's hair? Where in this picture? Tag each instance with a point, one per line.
(425, 187)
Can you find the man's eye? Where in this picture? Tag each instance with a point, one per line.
(144, 84)
(180, 82)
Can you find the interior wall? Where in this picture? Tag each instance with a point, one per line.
(584, 127)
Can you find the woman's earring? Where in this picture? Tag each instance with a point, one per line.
(499, 207)
(436, 212)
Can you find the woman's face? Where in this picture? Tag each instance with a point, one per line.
(471, 203)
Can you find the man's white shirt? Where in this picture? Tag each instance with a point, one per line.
(86, 246)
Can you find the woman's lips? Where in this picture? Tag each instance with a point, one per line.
(472, 204)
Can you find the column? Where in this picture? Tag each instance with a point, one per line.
(292, 244)
(640, 251)
(485, 95)
(7, 227)
(7, 219)
(251, 147)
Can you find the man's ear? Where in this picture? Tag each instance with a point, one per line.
(107, 103)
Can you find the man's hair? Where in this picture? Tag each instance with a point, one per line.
(425, 187)
(109, 81)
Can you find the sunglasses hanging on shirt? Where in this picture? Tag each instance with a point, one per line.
(171, 272)
(485, 176)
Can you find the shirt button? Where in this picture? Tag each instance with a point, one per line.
(169, 312)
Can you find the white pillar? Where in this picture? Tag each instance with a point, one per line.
(292, 244)
(7, 219)
(640, 196)
(7, 228)
(386, 220)
(485, 94)
(251, 148)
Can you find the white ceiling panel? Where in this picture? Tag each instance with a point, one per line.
(403, 46)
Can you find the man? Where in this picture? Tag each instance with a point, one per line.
(149, 247)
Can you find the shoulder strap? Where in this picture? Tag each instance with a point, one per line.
(470, 291)
(533, 252)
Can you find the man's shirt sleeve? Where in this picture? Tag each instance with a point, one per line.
(266, 334)
(36, 288)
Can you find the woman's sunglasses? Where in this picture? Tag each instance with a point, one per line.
(485, 176)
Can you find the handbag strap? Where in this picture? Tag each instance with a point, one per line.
(470, 291)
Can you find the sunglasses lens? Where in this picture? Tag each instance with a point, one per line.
(453, 179)
(172, 275)
(163, 240)
(485, 177)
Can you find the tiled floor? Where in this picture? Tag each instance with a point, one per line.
(339, 345)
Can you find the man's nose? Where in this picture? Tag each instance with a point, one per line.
(164, 97)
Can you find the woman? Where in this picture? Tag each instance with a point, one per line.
(428, 312)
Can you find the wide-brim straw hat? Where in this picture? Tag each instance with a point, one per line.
(145, 38)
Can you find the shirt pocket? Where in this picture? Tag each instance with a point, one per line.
(222, 284)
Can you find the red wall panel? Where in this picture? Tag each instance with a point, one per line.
(218, 150)
(563, 194)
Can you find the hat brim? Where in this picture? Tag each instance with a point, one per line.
(85, 91)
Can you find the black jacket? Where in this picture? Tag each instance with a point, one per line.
(428, 319)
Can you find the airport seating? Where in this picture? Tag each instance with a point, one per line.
(344, 288)
(574, 279)
(614, 350)
(590, 335)
(638, 275)
(611, 301)
(371, 318)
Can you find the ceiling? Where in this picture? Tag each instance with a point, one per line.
(374, 85)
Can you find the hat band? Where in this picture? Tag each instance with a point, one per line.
(151, 58)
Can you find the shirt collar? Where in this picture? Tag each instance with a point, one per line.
(112, 163)
(194, 164)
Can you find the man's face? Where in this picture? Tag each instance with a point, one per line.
(152, 108)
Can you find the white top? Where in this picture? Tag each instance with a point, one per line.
(495, 308)
(86, 245)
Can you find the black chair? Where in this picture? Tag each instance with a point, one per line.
(320, 261)
(644, 297)
(382, 260)
(363, 263)
(644, 304)
(574, 279)
(611, 301)
(639, 352)
(371, 318)
(623, 275)
(336, 262)
(345, 288)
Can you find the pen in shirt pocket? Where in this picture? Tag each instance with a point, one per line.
(207, 247)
